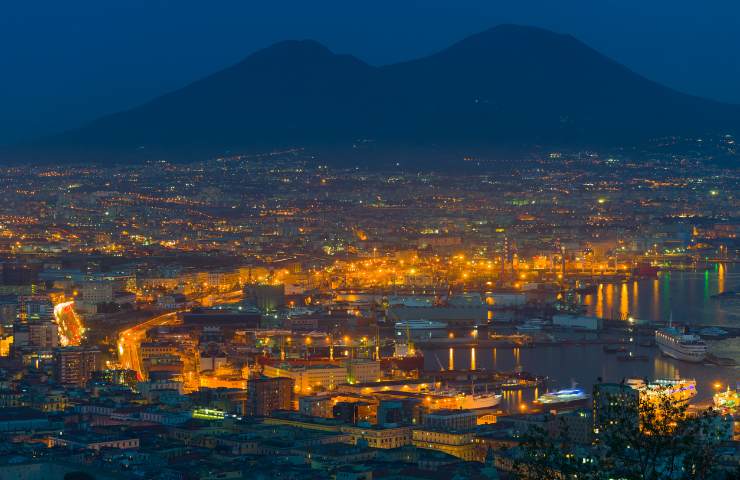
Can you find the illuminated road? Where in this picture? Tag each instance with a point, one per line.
(70, 325)
(129, 341)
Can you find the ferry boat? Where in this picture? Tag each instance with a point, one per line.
(681, 346)
(680, 390)
(563, 397)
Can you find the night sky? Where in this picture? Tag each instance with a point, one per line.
(65, 62)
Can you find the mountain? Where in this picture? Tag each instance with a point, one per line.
(510, 87)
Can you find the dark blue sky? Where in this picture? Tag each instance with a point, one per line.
(65, 62)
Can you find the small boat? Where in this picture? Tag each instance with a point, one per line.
(632, 357)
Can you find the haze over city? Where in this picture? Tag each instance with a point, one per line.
(354, 241)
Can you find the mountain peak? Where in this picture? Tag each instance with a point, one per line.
(297, 54)
(516, 37)
(516, 29)
(296, 47)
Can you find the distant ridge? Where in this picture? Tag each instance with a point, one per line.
(507, 88)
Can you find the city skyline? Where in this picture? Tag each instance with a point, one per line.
(511, 256)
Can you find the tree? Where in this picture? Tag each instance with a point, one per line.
(659, 439)
(645, 436)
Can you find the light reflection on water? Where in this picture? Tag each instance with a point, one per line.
(687, 295)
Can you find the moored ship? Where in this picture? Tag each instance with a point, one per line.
(480, 400)
(455, 399)
(681, 346)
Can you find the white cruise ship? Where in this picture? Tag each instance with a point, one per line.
(681, 346)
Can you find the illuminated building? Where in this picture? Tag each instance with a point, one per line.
(577, 425)
(309, 378)
(94, 293)
(164, 367)
(115, 377)
(316, 405)
(360, 370)
(265, 395)
(459, 444)
(75, 365)
(450, 420)
(6, 341)
(610, 402)
(354, 412)
(93, 442)
(412, 386)
(43, 334)
(380, 437)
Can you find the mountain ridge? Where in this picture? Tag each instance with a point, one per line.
(508, 87)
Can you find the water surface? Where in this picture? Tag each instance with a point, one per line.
(685, 294)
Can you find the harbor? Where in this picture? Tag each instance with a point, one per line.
(561, 367)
